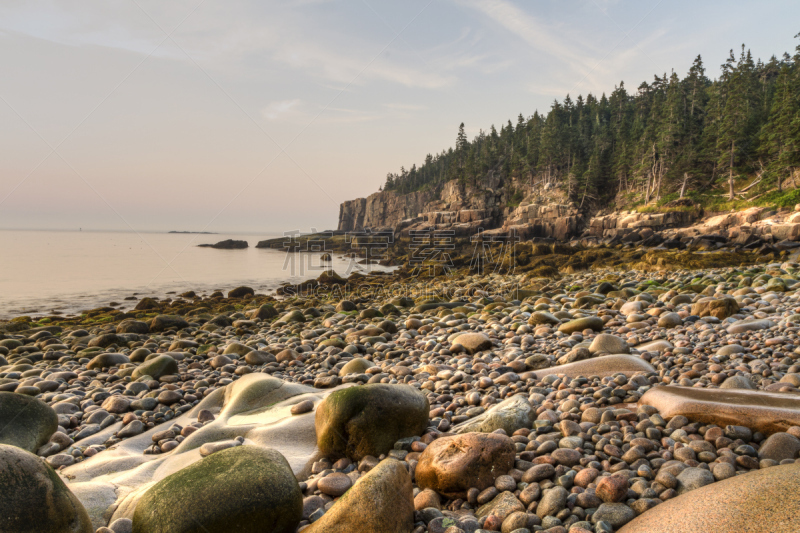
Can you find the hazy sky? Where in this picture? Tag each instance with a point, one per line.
(265, 115)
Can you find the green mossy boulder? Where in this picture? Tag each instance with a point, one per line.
(368, 419)
(246, 489)
(107, 360)
(163, 365)
(165, 322)
(34, 499)
(25, 422)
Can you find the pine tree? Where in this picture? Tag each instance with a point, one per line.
(652, 142)
(734, 118)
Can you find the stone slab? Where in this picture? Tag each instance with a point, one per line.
(600, 366)
(767, 412)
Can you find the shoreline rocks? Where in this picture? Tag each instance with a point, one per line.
(386, 415)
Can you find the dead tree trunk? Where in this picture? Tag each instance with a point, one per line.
(685, 180)
(731, 194)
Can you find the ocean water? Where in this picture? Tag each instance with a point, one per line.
(69, 271)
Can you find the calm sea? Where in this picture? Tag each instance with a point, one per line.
(70, 271)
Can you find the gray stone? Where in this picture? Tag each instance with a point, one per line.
(552, 502)
(25, 421)
(693, 478)
(510, 415)
(606, 343)
(35, 499)
(779, 446)
(615, 514)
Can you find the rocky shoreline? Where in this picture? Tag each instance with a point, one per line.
(591, 400)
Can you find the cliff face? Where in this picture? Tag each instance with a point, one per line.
(545, 212)
(467, 210)
(380, 210)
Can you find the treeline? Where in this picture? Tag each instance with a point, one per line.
(672, 135)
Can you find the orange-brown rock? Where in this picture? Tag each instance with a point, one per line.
(761, 501)
(453, 465)
(767, 412)
(612, 489)
(716, 307)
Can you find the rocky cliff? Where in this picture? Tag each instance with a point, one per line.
(538, 211)
(499, 207)
(380, 210)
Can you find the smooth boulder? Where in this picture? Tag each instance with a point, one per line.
(473, 342)
(25, 422)
(382, 501)
(34, 499)
(165, 322)
(358, 365)
(760, 501)
(130, 325)
(779, 447)
(367, 420)
(246, 489)
(608, 365)
(767, 412)
(509, 415)
(717, 307)
(453, 465)
(163, 365)
(579, 324)
(606, 343)
(107, 360)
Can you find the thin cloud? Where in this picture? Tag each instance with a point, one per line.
(298, 112)
(277, 109)
(406, 107)
(528, 28)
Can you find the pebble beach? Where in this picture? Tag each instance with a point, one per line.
(594, 402)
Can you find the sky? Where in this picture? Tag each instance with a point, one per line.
(263, 116)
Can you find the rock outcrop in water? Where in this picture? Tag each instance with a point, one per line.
(228, 244)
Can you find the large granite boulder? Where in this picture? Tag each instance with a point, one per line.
(453, 465)
(369, 419)
(760, 501)
(246, 489)
(779, 447)
(380, 502)
(25, 421)
(34, 499)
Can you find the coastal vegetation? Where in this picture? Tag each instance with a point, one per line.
(722, 142)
